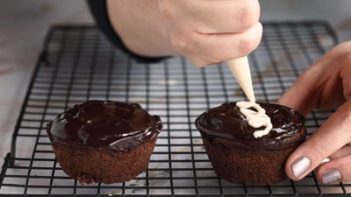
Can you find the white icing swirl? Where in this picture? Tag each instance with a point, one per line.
(256, 118)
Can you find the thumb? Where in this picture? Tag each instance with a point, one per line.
(334, 134)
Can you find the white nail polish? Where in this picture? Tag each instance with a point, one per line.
(300, 166)
(331, 176)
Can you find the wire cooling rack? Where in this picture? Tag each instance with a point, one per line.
(79, 64)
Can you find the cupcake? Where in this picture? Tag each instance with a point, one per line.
(104, 141)
(240, 157)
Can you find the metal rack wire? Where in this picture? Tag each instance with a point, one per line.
(79, 64)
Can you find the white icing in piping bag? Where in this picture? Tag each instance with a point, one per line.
(256, 118)
(241, 71)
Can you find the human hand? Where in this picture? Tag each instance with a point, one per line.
(326, 84)
(207, 31)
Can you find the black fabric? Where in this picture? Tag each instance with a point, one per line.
(98, 9)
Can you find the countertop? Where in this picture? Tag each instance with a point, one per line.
(24, 25)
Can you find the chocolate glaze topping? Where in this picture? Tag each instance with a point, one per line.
(113, 125)
(227, 124)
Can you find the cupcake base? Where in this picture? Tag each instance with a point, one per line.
(90, 165)
(257, 167)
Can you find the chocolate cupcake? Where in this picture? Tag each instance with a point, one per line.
(104, 141)
(239, 157)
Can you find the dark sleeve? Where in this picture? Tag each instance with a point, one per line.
(98, 9)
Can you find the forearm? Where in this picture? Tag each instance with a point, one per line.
(145, 33)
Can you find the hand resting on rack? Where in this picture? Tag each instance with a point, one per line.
(326, 84)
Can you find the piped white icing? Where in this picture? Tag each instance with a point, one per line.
(256, 117)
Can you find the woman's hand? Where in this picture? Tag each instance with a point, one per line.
(207, 31)
(204, 31)
(326, 84)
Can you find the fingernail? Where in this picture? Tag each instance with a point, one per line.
(325, 160)
(300, 166)
(331, 176)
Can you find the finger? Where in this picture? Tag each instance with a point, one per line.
(338, 51)
(205, 49)
(344, 151)
(305, 87)
(335, 171)
(224, 16)
(319, 86)
(345, 75)
(331, 136)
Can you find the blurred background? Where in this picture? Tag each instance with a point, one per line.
(24, 23)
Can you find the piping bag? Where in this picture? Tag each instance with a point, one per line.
(241, 71)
